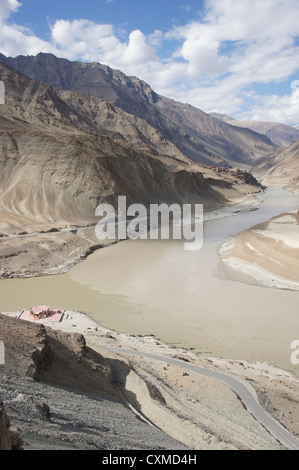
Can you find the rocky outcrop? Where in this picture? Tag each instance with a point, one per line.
(60, 394)
(26, 347)
(9, 439)
(53, 357)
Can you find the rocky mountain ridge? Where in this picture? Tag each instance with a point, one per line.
(197, 135)
(62, 153)
(280, 134)
(57, 166)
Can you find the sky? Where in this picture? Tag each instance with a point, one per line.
(236, 57)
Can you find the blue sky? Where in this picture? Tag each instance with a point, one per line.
(237, 57)
(127, 15)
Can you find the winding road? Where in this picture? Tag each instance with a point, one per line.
(248, 400)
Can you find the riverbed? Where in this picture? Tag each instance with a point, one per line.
(156, 287)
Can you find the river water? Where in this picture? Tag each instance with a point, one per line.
(156, 287)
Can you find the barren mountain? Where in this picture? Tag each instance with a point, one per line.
(281, 168)
(280, 134)
(56, 166)
(196, 134)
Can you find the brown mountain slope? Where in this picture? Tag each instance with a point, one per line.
(280, 134)
(196, 134)
(49, 109)
(56, 167)
(281, 168)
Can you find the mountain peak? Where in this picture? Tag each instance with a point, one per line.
(197, 135)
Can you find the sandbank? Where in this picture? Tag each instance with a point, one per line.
(267, 252)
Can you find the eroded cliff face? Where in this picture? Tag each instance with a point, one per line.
(54, 357)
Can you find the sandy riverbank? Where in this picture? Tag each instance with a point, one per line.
(267, 254)
(200, 412)
(47, 250)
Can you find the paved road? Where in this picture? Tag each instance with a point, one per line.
(248, 400)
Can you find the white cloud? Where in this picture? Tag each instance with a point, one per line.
(89, 41)
(7, 7)
(237, 44)
(252, 31)
(138, 51)
(155, 39)
(15, 39)
(216, 62)
(83, 39)
(278, 108)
